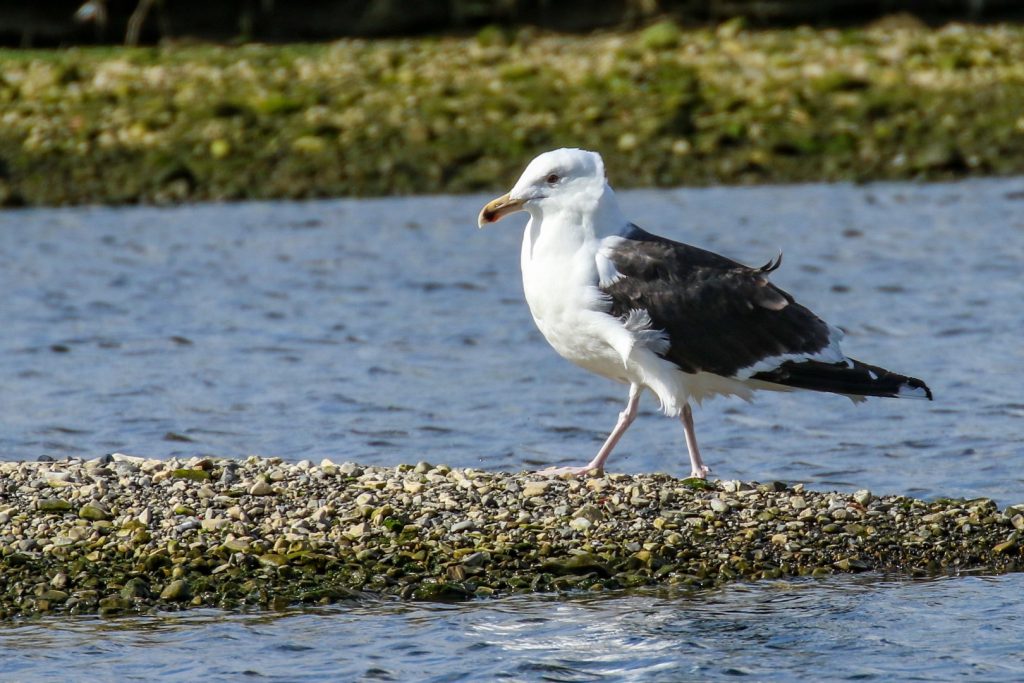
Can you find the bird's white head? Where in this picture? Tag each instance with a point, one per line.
(559, 180)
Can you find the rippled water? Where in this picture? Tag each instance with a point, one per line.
(392, 331)
(866, 627)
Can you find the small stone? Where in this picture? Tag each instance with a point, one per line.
(176, 590)
(130, 459)
(533, 489)
(864, 497)
(780, 539)
(476, 559)
(1007, 545)
(237, 545)
(215, 524)
(273, 560)
(135, 588)
(53, 595)
(584, 563)
(580, 524)
(261, 488)
(350, 469)
(797, 502)
(357, 531)
(591, 513)
(94, 512)
(53, 505)
(113, 604)
(462, 526)
(719, 505)
(191, 474)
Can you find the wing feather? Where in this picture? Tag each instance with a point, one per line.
(720, 316)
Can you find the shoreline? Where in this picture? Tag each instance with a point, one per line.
(665, 106)
(123, 534)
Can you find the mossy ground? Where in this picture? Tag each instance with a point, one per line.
(356, 118)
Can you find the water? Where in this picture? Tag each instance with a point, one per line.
(841, 628)
(392, 331)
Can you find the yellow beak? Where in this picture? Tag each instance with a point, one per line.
(496, 209)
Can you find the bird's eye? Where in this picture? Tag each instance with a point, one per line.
(552, 179)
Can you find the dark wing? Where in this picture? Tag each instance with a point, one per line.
(720, 315)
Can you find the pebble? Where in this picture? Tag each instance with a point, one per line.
(261, 488)
(534, 489)
(434, 532)
(93, 511)
(175, 590)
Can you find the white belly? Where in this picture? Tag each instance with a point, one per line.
(570, 312)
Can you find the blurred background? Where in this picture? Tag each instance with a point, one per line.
(72, 22)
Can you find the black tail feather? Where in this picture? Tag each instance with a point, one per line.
(860, 379)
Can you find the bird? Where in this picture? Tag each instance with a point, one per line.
(659, 315)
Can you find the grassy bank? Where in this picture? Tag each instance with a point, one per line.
(453, 115)
(125, 534)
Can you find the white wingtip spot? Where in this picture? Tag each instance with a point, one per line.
(907, 391)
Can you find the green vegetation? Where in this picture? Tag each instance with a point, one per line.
(665, 106)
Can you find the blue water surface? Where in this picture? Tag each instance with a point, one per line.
(390, 331)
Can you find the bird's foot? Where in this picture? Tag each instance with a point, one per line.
(700, 472)
(565, 471)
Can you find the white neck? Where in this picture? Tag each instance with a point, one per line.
(563, 225)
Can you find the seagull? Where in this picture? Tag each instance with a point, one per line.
(655, 314)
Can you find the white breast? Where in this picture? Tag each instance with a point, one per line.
(559, 281)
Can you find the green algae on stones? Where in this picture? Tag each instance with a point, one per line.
(666, 106)
(462, 534)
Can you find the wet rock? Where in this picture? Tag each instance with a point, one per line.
(583, 563)
(175, 591)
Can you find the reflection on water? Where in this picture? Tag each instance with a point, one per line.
(392, 331)
(840, 628)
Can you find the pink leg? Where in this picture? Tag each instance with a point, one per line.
(626, 418)
(697, 467)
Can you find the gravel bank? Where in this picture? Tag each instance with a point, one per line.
(125, 534)
(665, 106)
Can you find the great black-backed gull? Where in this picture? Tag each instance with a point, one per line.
(656, 314)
